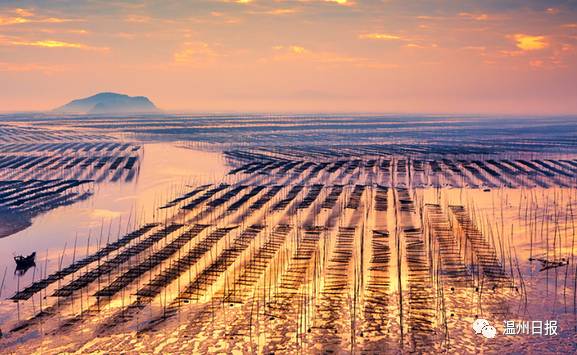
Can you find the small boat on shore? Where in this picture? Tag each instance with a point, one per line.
(550, 264)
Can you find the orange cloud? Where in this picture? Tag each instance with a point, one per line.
(47, 43)
(194, 53)
(380, 36)
(16, 16)
(291, 49)
(275, 12)
(421, 46)
(24, 12)
(137, 19)
(341, 2)
(530, 43)
(293, 53)
(478, 17)
(217, 17)
(297, 49)
(50, 44)
(52, 20)
(68, 31)
(11, 20)
(21, 16)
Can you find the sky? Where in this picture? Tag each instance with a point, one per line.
(427, 56)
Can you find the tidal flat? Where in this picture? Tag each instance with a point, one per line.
(253, 233)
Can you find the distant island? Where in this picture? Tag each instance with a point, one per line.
(109, 103)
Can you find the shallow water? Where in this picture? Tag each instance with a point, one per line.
(517, 223)
(166, 170)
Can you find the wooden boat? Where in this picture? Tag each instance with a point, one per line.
(550, 264)
(25, 262)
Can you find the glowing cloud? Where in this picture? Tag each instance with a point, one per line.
(380, 36)
(291, 49)
(48, 44)
(301, 54)
(194, 53)
(275, 12)
(478, 17)
(4, 21)
(421, 46)
(530, 43)
(341, 2)
(138, 19)
(297, 49)
(221, 44)
(15, 17)
(24, 12)
(21, 16)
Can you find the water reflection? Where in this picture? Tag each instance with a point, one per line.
(24, 263)
(115, 207)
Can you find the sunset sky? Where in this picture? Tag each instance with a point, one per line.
(438, 56)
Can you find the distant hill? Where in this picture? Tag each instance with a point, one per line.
(109, 103)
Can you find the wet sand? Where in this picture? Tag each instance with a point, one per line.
(301, 247)
(11, 223)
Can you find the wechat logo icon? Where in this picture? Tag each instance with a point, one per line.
(483, 327)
